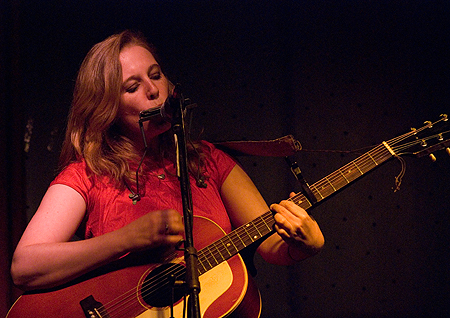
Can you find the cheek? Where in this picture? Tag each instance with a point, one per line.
(128, 106)
(165, 87)
(127, 114)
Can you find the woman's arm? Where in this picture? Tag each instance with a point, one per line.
(45, 256)
(297, 235)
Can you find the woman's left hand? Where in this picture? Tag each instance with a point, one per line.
(297, 228)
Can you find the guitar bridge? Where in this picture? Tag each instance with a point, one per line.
(91, 308)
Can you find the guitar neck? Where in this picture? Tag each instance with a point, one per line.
(345, 175)
(262, 226)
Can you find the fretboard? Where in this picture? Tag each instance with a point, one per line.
(234, 242)
(345, 175)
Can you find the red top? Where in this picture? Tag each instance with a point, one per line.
(109, 208)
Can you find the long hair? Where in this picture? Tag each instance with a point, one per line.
(92, 133)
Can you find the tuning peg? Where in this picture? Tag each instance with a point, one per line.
(432, 157)
(447, 150)
(428, 123)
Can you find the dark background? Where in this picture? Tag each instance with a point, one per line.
(338, 75)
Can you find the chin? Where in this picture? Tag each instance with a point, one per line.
(155, 129)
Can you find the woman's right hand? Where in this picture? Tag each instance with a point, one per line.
(162, 228)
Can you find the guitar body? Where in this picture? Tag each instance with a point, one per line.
(140, 290)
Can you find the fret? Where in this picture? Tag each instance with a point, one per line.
(268, 221)
(214, 256)
(255, 237)
(330, 183)
(247, 236)
(382, 154)
(349, 172)
(207, 259)
(232, 243)
(228, 237)
(238, 246)
(203, 270)
(353, 174)
(246, 232)
(206, 265)
(317, 190)
(301, 201)
(357, 167)
(219, 252)
(307, 204)
(380, 157)
(366, 164)
(227, 247)
(337, 181)
(256, 228)
(372, 158)
(343, 175)
(324, 187)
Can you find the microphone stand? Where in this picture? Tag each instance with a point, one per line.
(190, 253)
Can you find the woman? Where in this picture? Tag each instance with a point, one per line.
(119, 78)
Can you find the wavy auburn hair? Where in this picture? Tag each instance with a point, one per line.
(91, 132)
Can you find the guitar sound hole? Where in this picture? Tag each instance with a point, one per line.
(157, 287)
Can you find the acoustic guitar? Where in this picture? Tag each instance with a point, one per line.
(131, 287)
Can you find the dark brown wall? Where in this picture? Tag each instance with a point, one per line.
(338, 75)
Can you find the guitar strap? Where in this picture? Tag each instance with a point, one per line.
(281, 147)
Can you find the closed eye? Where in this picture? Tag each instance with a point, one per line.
(132, 88)
(155, 76)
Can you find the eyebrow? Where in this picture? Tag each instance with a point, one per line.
(135, 77)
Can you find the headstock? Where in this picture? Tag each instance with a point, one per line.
(424, 141)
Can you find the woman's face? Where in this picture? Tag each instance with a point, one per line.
(144, 86)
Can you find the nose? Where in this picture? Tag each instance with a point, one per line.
(152, 90)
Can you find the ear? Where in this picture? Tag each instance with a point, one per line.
(171, 87)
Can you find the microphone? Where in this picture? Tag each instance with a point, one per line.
(172, 104)
(167, 109)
